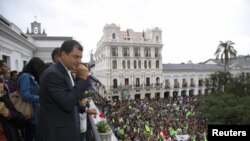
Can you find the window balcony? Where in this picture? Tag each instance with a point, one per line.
(177, 85)
(184, 85)
(192, 85)
(167, 87)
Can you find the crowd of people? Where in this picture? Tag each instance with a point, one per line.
(155, 119)
(57, 96)
(26, 83)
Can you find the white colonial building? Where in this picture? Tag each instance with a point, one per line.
(129, 65)
(17, 48)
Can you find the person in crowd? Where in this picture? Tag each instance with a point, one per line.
(55, 54)
(10, 119)
(4, 70)
(28, 86)
(83, 116)
(60, 95)
(12, 82)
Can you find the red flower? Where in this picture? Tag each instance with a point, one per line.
(101, 115)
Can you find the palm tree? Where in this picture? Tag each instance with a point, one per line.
(225, 51)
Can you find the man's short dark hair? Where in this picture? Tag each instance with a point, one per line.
(13, 72)
(55, 52)
(68, 46)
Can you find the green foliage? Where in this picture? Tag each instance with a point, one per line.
(241, 85)
(102, 126)
(238, 85)
(229, 102)
(225, 52)
(225, 109)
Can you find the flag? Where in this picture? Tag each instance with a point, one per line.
(188, 113)
(147, 128)
(182, 137)
(120, 119)
(205, 136)
(193, 138)
(164, 133)
(121, 131)
(172, 132)
(169, 139)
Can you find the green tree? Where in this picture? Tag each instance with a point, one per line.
(219, 81)
(241, 85)
(225, 52)
(225, 109)
(229, 101)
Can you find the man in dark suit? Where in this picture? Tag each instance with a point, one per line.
(60, 94)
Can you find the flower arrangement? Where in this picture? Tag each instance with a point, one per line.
(102, 126)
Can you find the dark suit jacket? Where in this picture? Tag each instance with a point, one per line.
(59, 116)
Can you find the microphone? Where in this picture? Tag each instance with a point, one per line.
(94, 79)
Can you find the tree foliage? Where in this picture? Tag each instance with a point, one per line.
(229, 101)
(225, 52)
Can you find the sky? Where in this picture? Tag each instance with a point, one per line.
(191, 29)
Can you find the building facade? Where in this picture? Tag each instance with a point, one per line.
(129, 65)
(17, 47)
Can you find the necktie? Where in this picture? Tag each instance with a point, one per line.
(71, 78)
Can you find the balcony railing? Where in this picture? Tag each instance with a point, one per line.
(92, 133)
(157, 84)
(192, 85)
(167, 87)
(184, 85)
(177, 85)
(201, 84)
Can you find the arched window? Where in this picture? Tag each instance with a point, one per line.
(115, 83)
(157, 64)
(157, 38)
(135, 64)
(114, 51)
(113, 36)
(128, 64)
(139, 64)
(114, 64)
(147, 52)
(145, 64)
(157, 81)
(124, 64)
(149, 64)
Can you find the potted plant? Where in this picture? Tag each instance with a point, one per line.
(103, 128)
